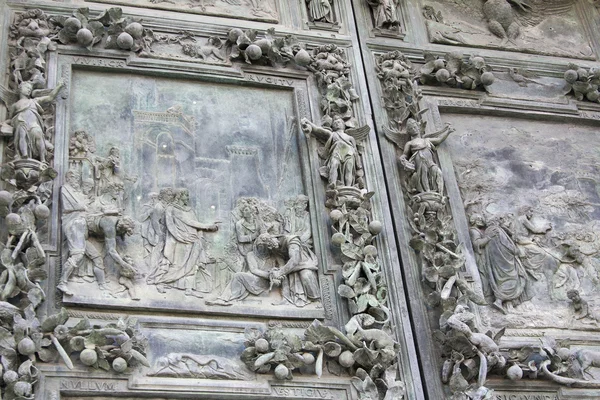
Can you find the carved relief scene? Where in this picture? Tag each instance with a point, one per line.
(549, 27)
(534, 219)
(201, 203)
(260, 10)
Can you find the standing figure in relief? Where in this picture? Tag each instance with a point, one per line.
(296, 220)
(340, 152)
(80, 220)
(503, 276)
(183, 252)
(319, 10)
(535, 259)
(27, 123)
(418, 158)
(268, 267)
(247, 229)
(154, 228)
(385, 14)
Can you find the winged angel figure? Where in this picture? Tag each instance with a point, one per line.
(418, 156)
(342, 158)
(25, 121)
(505, 21)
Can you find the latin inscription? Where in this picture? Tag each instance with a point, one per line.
(270, 80)
(87, 385)
(99, 62)
(309, 393)
(523, 396)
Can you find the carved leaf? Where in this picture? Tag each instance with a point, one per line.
(362, 286)
(295, 343)
(54, 320)
(7, 340)
(317, 333)
(109, 16)
(82, 14)
(362, 303)
(334, 367)
(65, 38)
(346, 291)
(103, 364)
(431, 274)
(9, 359)
(351, 251)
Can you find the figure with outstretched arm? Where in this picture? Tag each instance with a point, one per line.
(27, 123)
(340, 152)
(418, 157)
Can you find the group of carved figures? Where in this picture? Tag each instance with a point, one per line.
(276, 251)
(92, 206)
(275, 248)
(513, 253)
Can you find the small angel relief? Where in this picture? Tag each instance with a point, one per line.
(26, 122)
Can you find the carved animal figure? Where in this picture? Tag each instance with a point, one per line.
(505, 21)
(211, 48)
(501, 18)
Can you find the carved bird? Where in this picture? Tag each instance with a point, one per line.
(505, 21)
(523, 77)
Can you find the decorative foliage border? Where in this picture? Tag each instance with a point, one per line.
(366, 349)
(469, 355)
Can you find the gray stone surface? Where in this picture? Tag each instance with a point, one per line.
(299, 199)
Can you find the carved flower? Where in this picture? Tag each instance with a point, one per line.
(61, 332)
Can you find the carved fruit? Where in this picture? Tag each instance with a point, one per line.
(22, 389)
(234, 34)
(467, 82)
(582, 74)
(119, 364)
(309, 358)
(77, 343)
(370, 250)
(281, 371)
(13, 219)
(85, 37)
(571, 76)
(594, 95)
(261, 345)
(254, 52)
(72, 24)
(41, 211)
(514, 373)
(336, 215)
(442, 75)
(564, 353)
(5, 198)
(439, 64)
(346, 359)
(264, 44)
(338, 239)
(302, 57)
(88, 357)
(26, 346)
(135, 29)
(375, 227)
(10, 377)
(487, 78)
(125, 41)
(478, 61)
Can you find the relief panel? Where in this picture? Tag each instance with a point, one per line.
(259, 10)
(534, 214)
(181, 203)
(549, 27)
